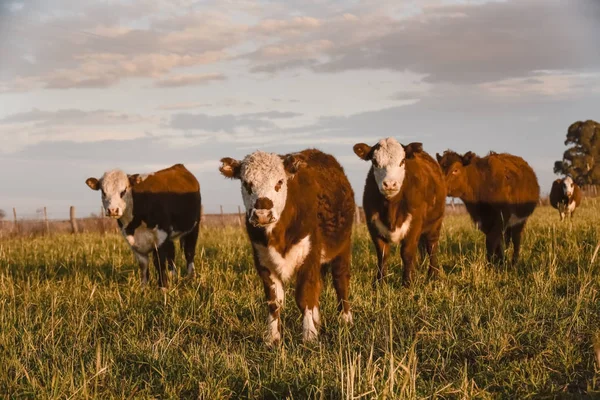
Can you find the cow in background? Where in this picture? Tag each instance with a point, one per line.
(404, 202)
(152, 211)
(299, 214)
(565, 196)
(500, 192)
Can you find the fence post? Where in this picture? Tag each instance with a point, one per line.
(202, 216)
(46, 224)
(222, 216)
(357, 215)
(74, 228)
(15, 220)
(240, 215)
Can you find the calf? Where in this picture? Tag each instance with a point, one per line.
(299, 213)
(152, 211)
(500, 192)
(404, 202)
(565, 196)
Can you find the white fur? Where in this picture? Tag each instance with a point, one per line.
(277, 287)
(190, 269)
(571, 207)
(145, 239)
(283, 267)
(273, 335)
(347, 318)
(113, 183)
(397, 234)
(568, 186)
(514, 220)
(143, 261)
(310, 323)
(273, 323)
(324, 258)
(263, 171)
(387, 160)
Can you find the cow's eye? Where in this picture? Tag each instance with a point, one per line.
(123, 192)
(454, 172)
(279, 185)
(248, 187)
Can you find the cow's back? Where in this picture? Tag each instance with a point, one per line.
(507, 179)
(323, 184)
(169, 198)
(425, 183)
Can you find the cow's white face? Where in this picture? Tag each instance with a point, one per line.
(568, 186)
(388, 158)
(264, 179)
(117, 199)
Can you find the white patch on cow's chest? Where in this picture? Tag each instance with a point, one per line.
(572, 206)
(283, 266)
(145, 239)
(397, 234)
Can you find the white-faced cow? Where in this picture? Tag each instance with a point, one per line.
(152, 211)
(404, 202)
(299, 214)
(565, 196)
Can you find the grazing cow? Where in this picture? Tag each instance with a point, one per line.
(404, 202)
(500, 192)
(565, 196)
(152, 211)
(299, 214)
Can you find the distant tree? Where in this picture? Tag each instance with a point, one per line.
(582, 159)
(2, 214)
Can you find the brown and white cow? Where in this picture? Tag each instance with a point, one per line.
(152, 211)
(500, 192)
(565, 196)
(404, 202)
(299, 214)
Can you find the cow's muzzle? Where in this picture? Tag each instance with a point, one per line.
(261, 217)
(113, 213)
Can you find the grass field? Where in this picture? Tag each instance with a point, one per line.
(75, 323)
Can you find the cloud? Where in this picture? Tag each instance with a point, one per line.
(189, 80)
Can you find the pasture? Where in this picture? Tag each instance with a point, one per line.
(75, 323)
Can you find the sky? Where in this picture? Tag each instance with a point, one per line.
(88, 86)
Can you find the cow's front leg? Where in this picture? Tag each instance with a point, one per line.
(169, 248)
(308, 290)
(143, 263)
(160, 262)
(275, 298)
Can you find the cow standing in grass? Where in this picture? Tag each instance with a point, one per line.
(565, 196)
(152, 211)
(404, 202)
(500, 192)
(299, 214)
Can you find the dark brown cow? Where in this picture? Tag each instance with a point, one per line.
(565, 196)
(404, 201)
(152, 211)
(500, 192)
(299, 213)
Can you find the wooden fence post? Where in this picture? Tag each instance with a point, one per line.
(222, 216)
(46, 224)
(357, 215)
(15, 220)
(74, 228)
(202, 216)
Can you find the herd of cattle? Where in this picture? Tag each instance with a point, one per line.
(300, 210)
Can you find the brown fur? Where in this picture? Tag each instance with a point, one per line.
(320, 203)
(494, 189)
(422, 195)
(561, 202)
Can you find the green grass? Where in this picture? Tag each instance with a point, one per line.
(75, 323)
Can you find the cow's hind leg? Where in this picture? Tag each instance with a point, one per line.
(493, 244)
(169, 249)
(517, 230)
(188, 244)
(160, 262)
(340, 273)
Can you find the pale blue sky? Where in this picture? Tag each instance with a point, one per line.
(87, 86)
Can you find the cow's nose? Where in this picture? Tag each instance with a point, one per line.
(262, 217)
(113, 211)
(390, 185)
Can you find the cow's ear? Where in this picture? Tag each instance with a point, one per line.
(363, 151)
(93, 183)
(439, 158)
(468, 158)
(230, 168)
(134, 179)
(413, 148)
(292, 163)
